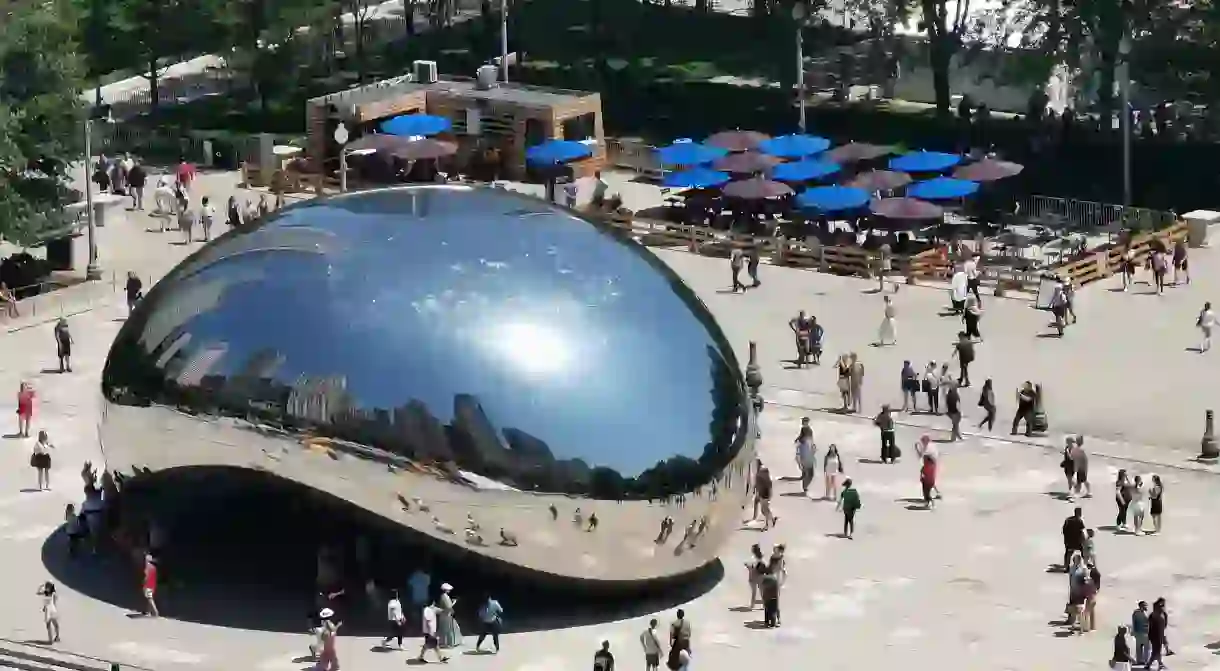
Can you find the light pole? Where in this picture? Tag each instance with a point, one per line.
(504, 40)
(93, 271)
(799, 15)
(343, 154)
(1124, 89)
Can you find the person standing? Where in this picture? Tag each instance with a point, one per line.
(910, 388)
(1206, 323)
(1121, 659)
(1073, 537)
(396, 620)
(974, 277)
(603, 659)
(971, 316)
(185, 173)
(150, 586)
(1026, 396)
(987, 403)
(1069, 467)
(40, 460)
(1139, 630)
(857, 383)
(763, 490)
(137, 178)
(428, 619)
(491, 616)
(207, 216)
(1159, 270)
(953, 409)
(1157, 508)
(887, 333)
(924, 447)
(1181, 265)
(849, 504)
(884, 422)
(927, 481)
(957, 291)
(963, 351)
(1158, 626)
(755, 568)
(25, 408)
(1080, 462)
(832, 470)
(752, 261)
(801, 330)
(885, 262)
(1123, 492)
(134, 290)
(233, 213)
(679, 633)
(843, 366)
(50, 611)
(1139, 503)
(186, 221)
(651, 643)
(769, 586)
(931, 388)
(447, 629)
(806, 457)
(63, 345)
(736, 261)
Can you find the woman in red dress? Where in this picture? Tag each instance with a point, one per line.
(25, 409)
(927, 479)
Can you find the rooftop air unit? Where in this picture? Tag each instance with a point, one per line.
(486, 77)
(425, 72)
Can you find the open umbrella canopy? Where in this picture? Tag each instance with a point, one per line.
(925, 161)
(425, 149)
(1015, 239)
(794, 146)
(695, 178)
(756, 188)
(907, 209)
(988, 170)
(943, 188)
(746, 163)
(557, 151)
(416, 125)
(737, 140)
(801, 171)
(832, 198)
(853, 152)
(879, 180)
(686, 154)
(381, 142)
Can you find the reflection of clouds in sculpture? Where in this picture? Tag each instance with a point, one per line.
(533, 348)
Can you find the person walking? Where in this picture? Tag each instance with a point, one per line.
(63, 345)
(1181, 264)
(396, 620)
(1206, 323)
(1156, 507)
(924, 447)
(857, 384)
(752, 261)
(447, 629)
(884, 421)
(887, 333)
(1123, 492)
(1069, 467)
(491, 620)
(429, 617)
(1088, 609)
(832, 470)
(50, 611)
(909, 380)
(801, 331)
(40, 460)
(885, 263)
(149, 584)
(25, 408)
(1073, 536)
(927, 481)
(953, 409)
(137, 179)
(1160, 268)
(843, 366)
(1026, 396)
(755, 567)
(1158, 626)
(1139, 631)
(763, 491)
(987, 403)
(680, 632)
(134, 290)
(971, 316)
(1080, 461)
(769, 587)
(849, 505)
(207, 216)
(650, 641)
(736, 261)
(963, 351)
(931, 388)
(806, 457)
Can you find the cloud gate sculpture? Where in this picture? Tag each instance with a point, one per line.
(480, 367)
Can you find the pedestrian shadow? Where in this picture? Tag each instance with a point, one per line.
(478, 653)
(180, 243)
(909, 499)
(1059, 496)
(918, 506)
(740, 609)
(755, 624)
(802, 495)
(1065, 633)
(1049, 335)
(13, 436)
(866, 460)
(50, 371)
(1195, 348)
(730, 291)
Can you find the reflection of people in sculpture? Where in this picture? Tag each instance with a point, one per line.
(554, 512)
(690, 533)
(474, 537)
(577, 518)
(507, 539)
(667, 528)
(470, 523)
(592, 522)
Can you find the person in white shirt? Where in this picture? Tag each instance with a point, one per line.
(958, 291)
(431, 642)
(50, 611)
(973, 277)
(806, 457)
(1206, 322)
(651, 643)
(163, 200)
(599, 191)
(396, 621)
(207, 215)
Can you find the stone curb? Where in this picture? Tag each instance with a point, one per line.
(1050, 444)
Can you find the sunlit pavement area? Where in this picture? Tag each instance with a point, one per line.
(964, 586)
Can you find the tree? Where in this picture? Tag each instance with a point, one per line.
(41, 114)
(266, 35)
(159, 32)
(944, 33)
(361, 12)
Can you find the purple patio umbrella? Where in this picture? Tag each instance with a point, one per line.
(382, 142)
(879, 180)
(853, 152)
(737, 140)
(422, 150)
(756, 188)
(746, 163)
(988, 170)
(906, 209)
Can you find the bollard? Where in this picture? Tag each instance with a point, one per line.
(1210, 451)
(1038, 422)
(753, 374)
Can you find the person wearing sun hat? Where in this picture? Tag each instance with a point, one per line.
(447, 629)
(328, 655)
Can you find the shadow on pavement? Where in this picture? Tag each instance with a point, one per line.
(246, 557)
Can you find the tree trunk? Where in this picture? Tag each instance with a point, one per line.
(358, 34)
(940, 57)
(154, 90)
(408, 13)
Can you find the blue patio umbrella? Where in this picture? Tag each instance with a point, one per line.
(686, 154)
(552, 152)
(408, 125)
(832, 198)
(794, 146)
(925, 161)
(695, 178)
(801, 171)
(942, 188)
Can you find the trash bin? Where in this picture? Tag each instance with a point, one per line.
(59, 253)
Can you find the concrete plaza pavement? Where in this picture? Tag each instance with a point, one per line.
(915, 588)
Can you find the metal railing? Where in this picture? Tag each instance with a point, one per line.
(634, 155)
(1093, 216)
(24, 654)
(59, 300)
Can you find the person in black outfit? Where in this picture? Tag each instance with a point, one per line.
(1122, 649)
(752, 261)
(135, 290)
(1073, 536)
(769, 586)
(885, 423)
(953, 410)
(1025, 408)
(987, 403)
(603, 659)
(964, 351)
(137, 177)
(1158, 624)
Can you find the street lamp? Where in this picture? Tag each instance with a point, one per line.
(343, 154)
(1124, 88)
(93, 271)
(799, 14)
(504, 40)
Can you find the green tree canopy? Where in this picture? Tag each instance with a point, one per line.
(41, 134)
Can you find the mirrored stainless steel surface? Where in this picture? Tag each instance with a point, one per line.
(478, 365)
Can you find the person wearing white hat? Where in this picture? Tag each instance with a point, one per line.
(328, 656)
(447, 629)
